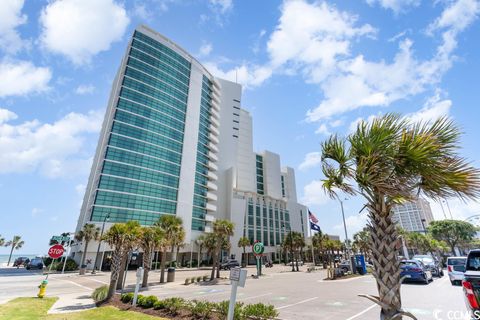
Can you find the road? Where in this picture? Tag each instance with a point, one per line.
(295, 295)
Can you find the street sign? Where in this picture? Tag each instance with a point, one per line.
(61, 238)
(235, 274)
(238, 277)
(258, 248)
(56, 251)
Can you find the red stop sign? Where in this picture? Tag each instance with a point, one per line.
(56, 251)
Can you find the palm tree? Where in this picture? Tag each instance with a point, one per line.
(289, 245)
(178, 242)
(16, 243)
(121, 237)
(222, 229)
(299, 244)
(210, 244)
(88, 233)
(171, 226)
(149, 240)
(361, 241)
(244, 242)
(388, 161)
(2, 241)
(200, 242)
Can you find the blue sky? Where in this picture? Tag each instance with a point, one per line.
(309, 68)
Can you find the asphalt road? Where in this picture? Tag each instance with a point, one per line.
(296, 295)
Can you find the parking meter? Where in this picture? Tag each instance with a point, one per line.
(137, 285)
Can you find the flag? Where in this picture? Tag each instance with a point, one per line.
(314, 226)
(312, 217)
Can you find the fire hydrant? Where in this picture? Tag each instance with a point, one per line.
(43, 288)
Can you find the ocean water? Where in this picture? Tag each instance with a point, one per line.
(4, 257)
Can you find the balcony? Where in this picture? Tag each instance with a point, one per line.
(212, 186)
(214, 131)
(208, 229)
(216, 105)
(213, 147)
(214, 122)
(217, 84)
(211, 207)
(212, 165)
(213, 138)
(209, 218)
(211, 196)
(212, 156)
(215, 96)
(212, 176)
(215, 114)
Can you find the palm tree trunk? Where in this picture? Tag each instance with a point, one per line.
(115, 268)
(10, 256)
(215, 258)
(219, 259)
(121, 272)
(199, 256)
(84, 254)
(146, 267)
(244, 261)
(383, 236)
(172, 256)
(292, 258)
(162, 266)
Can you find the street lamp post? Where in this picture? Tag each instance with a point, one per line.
(347, 249)
(99, 243)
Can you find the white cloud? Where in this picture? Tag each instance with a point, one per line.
(247, 75)
(205, 50)
(7, 115)
(11, 17)
(22, 77)
(80, 189)
(395, 5)
(454, 208)
(312, 159)
(53, 149)
(85, 89)
(433, 109)
(79, 29)
(222, 6)
(457, 16)
(313, 194)
(354, 224)
(36, 212)
(323, 129)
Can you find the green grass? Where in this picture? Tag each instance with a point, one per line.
(34, 308)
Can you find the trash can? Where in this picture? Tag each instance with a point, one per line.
(170, 274)
(361, 265)
(83, 269)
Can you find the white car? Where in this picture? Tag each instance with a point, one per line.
(456, 268)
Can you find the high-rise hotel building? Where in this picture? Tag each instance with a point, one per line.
(175, 140)
(414, 216)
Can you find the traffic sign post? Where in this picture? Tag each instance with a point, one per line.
(258, 249)
(238, 277)
(54, 252)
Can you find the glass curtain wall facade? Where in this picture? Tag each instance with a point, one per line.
(140, 174)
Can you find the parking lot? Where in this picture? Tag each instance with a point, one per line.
(299, 295)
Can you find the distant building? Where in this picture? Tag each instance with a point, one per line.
(333, 237)
(176, 141)
(410, 215)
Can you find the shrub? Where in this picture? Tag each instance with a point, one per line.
(160, 304)
(222, 308)
(140, 299)
(260, 311)
(127, 297)
(147, 302)
(199, 279)
(187, 281)
(173, 305)
(201, 309)
(71, 265)
(100, 293)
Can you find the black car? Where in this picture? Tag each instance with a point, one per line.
(36, 263)
(21, 261)
(431, 264)
(229, 264)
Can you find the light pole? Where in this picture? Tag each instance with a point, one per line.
(107, 217)
(347, 249)
(423, 226)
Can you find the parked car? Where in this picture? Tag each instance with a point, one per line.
(21, 261)
(345, 265)
(415, 270)
(471, 282)
(431, 264)
(229, 264)
(456, 269)
(35, 263)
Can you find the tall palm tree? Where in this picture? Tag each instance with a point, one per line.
(149, 240)
(121, 237)
(88, 233)
(388, 161)
(289, 245)
(299, 244)
(244, 242)
(222, 229)
(15, 244)
(171, 226)
(200, 242)
(361, 241)
(2, 241)
(210, 244)
(178, 242)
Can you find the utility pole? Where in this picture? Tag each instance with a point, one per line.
(107, 217)
(346, 235)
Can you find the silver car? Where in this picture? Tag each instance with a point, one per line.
(456, 269)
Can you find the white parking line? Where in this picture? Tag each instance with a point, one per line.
(362, 312)
(258, 296)
(99, 281)
(294, 304)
